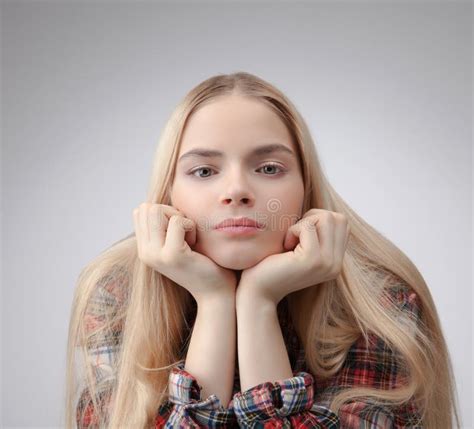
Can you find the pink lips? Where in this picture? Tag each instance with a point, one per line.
(239, 226)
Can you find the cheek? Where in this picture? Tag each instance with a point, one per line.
(284, 208)
(193, 205)
(180, 195)
(290, 197)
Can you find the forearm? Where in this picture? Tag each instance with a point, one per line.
(262, 352)
(211, 354)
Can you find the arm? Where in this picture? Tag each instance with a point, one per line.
(266, 358)
(211, 353)
(185, 407)
(287, 402)
(209, 368)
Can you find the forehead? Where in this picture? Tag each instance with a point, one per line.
(235, 122)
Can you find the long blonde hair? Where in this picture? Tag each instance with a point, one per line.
(149, 320)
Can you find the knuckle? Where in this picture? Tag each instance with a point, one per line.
(173, 219)
(329, 217)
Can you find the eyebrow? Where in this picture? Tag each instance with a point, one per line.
(261, 150)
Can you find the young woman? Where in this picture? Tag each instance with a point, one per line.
(250, 294)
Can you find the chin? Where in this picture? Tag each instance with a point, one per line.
(231, 260)
(235, 257)
(232, 264)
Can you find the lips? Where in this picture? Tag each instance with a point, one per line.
(242, 221)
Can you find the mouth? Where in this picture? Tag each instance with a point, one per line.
(239, 224)
(239, 230)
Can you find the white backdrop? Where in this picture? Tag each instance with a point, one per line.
(87, 87)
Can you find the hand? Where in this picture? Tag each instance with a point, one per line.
(320, 237)
(164, 236)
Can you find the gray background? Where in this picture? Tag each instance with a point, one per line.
(87, 87)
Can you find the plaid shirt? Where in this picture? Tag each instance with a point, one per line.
(301, 401)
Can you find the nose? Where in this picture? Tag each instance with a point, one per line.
(237, 191)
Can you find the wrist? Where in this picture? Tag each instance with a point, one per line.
(216, 299)
(250, 299)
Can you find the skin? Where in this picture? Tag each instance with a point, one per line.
(294, 250)
(238, 183)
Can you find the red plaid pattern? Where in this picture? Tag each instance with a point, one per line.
(301, 401)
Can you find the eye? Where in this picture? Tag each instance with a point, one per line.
(209, 169)
(199, 169)
(272, 165)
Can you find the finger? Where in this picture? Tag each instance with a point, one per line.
(191, 236)
(157, 225)
(190, 233)
(321, 225)
(291, 239)
(313, 212)
(306, 231)
(157, 222)
(348, 235)
(177, 227)
(143, 223)
(340, 240)
(334, 249)
(326, 235)
(136, 226)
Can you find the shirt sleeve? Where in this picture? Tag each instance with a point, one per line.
(286, 403)
(303, 401)
(188, 409)
(184, 407)
(102, 349)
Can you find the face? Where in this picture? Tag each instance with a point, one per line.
(237, 159)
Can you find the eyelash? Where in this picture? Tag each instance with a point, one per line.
(265, 165)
